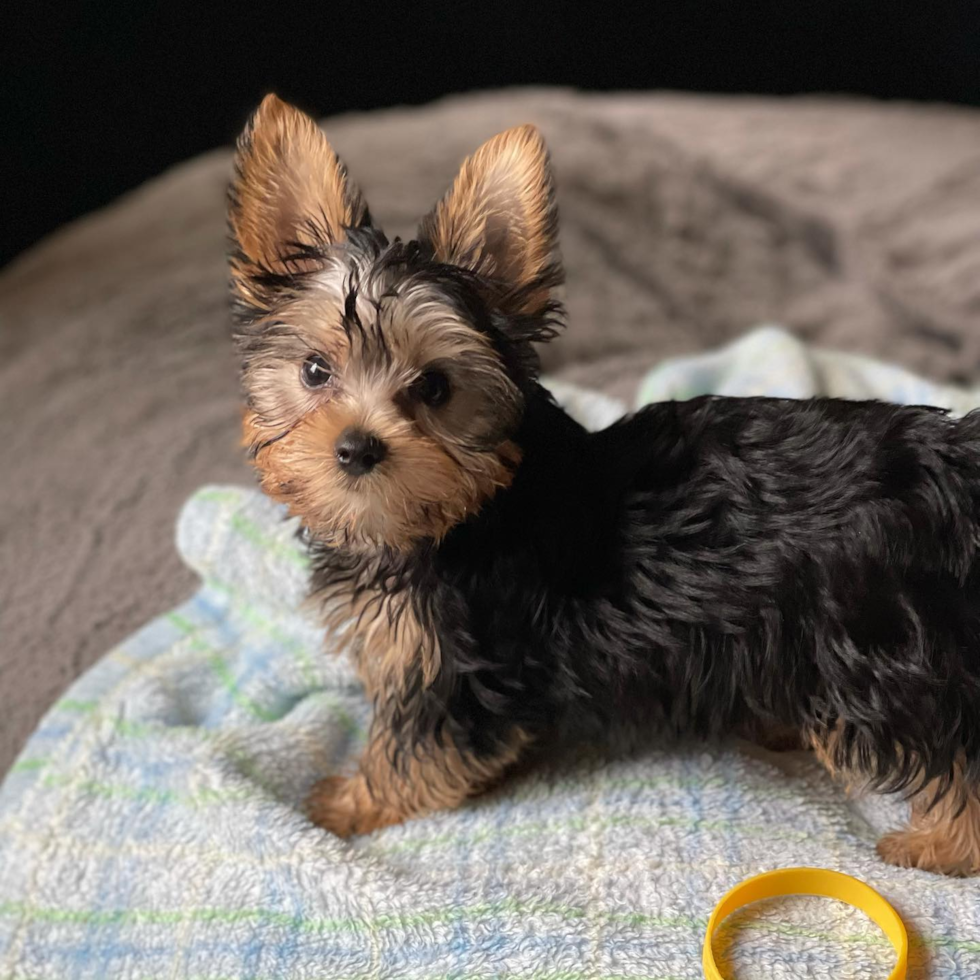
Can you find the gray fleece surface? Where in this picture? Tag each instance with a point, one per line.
(685, 221)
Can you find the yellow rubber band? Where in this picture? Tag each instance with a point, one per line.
(811, 881)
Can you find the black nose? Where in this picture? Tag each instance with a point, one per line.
(358, 453)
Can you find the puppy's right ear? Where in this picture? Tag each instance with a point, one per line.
(290, 198)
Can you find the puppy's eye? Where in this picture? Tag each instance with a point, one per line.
(432, 388)
(316, 371)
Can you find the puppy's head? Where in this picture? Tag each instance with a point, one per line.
(384, 380)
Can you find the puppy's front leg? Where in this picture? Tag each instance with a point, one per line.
(395, 784)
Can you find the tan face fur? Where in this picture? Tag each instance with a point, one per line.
(308, 285)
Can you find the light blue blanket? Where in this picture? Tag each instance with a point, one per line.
(152, 826)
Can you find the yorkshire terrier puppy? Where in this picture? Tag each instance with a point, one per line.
(505, 579)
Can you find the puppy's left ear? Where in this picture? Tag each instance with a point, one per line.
(500, 220)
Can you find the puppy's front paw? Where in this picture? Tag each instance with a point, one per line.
(344, 806)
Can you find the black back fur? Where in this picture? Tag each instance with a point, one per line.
(708, 563)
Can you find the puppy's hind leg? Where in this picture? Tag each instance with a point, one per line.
(943, 837)
(772, 736)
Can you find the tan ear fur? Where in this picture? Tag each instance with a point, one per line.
(499, 219)
(289, 189)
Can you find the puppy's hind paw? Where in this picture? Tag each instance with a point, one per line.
(927, 851)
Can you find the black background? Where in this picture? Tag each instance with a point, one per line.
(98, 96)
